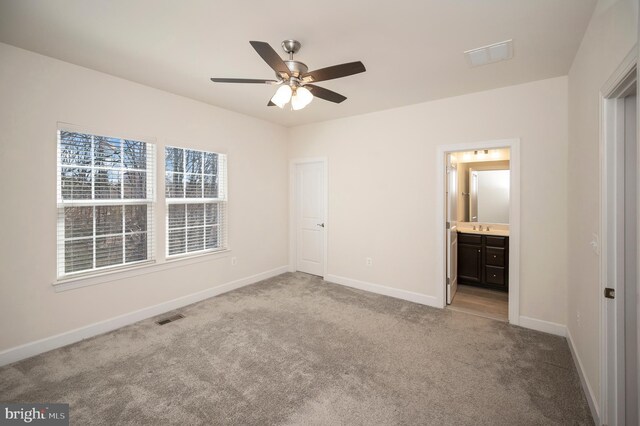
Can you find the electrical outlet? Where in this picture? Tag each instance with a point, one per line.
(234, 261)
(369, 261)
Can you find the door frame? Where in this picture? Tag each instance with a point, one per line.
(293, 223)
(612, 389)
(514, 218)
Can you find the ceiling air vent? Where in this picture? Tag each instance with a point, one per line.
(489, 54)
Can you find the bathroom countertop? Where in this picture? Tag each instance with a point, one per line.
(496, 232)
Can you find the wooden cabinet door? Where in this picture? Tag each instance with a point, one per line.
(469, 263)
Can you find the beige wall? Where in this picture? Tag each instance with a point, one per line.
(610, 36)
(382, 194)
(36, 93)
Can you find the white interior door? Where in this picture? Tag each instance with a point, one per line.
(452, 229)
(310, 217)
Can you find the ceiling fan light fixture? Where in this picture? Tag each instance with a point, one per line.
(282, 96)
(293, 75)
(301, 98)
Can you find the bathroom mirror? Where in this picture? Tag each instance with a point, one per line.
(489, 196)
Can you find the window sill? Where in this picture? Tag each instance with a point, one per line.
(148, 268)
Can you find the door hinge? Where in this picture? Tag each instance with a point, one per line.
(448, 281)
(448, 225)
(610, 293)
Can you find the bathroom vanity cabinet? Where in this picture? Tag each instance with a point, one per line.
(483, 260)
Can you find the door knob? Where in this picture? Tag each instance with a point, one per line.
(321, 225)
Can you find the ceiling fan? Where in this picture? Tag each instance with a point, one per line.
(294, 77)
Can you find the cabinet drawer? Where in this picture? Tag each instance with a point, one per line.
(495, 256)
(496, 241)
(470, 239)
(495, 275)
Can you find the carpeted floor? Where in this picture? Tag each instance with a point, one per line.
(296, 350)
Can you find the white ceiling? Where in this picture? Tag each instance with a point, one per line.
(412, 49)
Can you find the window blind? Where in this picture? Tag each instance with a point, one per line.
(105, 202)
(196, 196)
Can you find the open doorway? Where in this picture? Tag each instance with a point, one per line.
(487, 149)
(477, 232)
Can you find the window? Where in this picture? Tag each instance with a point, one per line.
(195, 187)
(105, 195)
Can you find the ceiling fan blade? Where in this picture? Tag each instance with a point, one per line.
(336, 71)
(270, 56)
(242, 80)
(326, 94)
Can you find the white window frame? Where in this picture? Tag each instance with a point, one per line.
(61, 204)
(221, 201)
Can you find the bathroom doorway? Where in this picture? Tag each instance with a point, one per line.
(478, 213)
(480, 228)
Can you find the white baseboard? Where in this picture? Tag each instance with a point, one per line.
(588, 391)
(30, 349)
(544, 326)
(423, 299)
(410, 296)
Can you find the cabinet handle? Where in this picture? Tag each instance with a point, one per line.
(478, 250)
(494, 275)
(494, 256)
